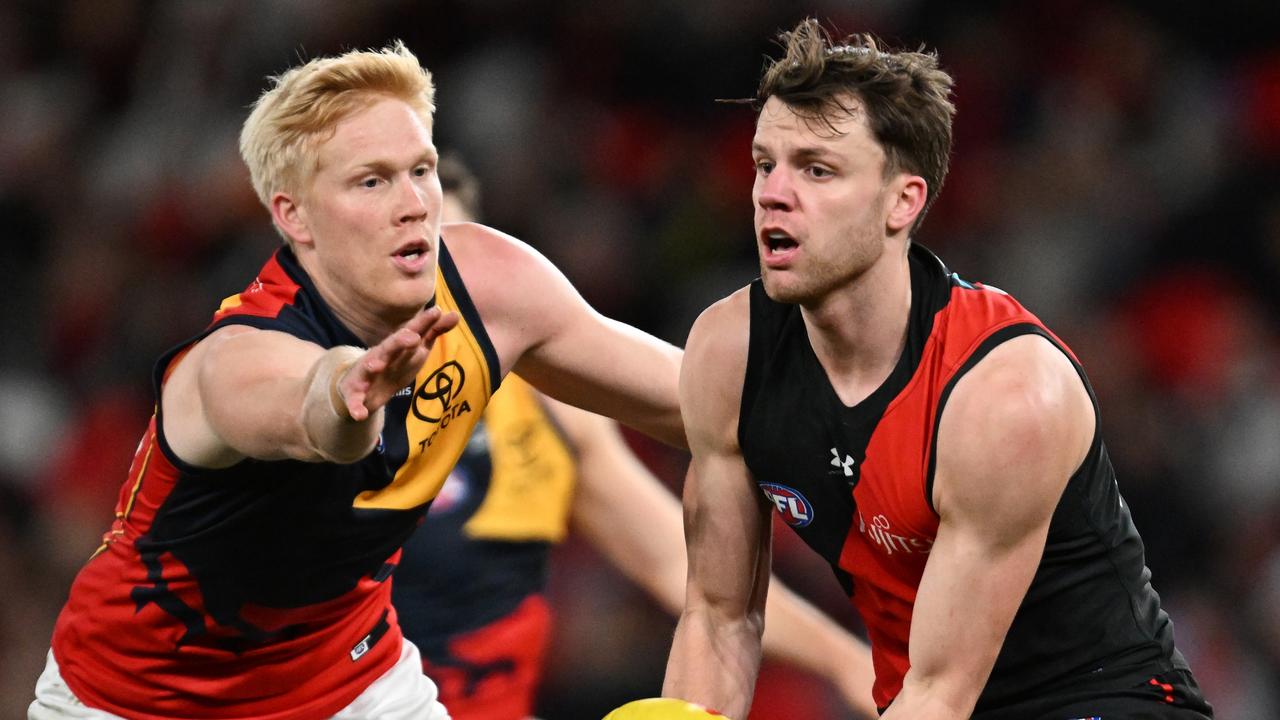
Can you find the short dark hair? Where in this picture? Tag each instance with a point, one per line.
(906, 95)
(457, 178)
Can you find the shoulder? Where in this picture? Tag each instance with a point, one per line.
(714, 366)
(522, 297)
(722, 332)
(1019, 423)
(483, 253)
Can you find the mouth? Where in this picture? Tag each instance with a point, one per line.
(412, 256)
(777, 244)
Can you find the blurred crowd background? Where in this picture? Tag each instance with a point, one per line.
(1116, 167)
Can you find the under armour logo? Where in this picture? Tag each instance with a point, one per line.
(846, 465)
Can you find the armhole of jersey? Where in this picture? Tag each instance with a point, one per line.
(469, 313)
(984, 348)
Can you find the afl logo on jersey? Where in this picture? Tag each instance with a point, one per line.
(435, 396)
(792, 506)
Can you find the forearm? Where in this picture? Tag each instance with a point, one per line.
(715, 662)
(327, 425)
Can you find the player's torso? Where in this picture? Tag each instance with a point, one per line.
(856, 483)
(849, 480)
(225, 582)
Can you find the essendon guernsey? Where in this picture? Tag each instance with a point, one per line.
(856, 484)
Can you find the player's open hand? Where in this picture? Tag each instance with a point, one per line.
(393, 363)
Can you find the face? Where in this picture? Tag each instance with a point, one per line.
(821, 202)
(370, 219)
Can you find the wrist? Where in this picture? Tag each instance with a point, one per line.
(329, 430)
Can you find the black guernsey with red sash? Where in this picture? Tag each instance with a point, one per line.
(856, 484)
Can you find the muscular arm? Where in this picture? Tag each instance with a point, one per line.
(715, 655)
(543, 329)
(243, 392)
(1015, 429)
(626, 513)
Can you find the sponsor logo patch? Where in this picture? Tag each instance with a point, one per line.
(434, 398)
(794, 507)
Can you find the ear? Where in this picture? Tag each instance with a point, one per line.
(907, 197)
(291, 218)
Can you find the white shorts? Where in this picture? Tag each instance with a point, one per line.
(401, 693)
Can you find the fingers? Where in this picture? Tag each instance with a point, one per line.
(420, 332)
(392, 363)
(356, 408)
(441, 326)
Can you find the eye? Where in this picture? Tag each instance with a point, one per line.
(423, 170)
(818, 171)
(764, 167)
(369, 182)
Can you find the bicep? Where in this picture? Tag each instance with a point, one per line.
(239, 393)
(605, 366)
(727, 523)
(544, 330)
(1015, 430)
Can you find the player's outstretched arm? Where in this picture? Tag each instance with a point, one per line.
(544, 330)
(1016, 428)
(715, 655)
(627, 514)
(243, 392)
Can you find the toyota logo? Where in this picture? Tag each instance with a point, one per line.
(436, 393)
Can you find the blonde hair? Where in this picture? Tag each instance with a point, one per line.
(303, 106)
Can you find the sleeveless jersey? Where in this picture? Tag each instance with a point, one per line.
(469, 587)
(260, 590)
(856, 483)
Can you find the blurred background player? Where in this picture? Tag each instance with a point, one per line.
(470, 586)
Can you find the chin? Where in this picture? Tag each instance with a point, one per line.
(413, 295)
(783, 289)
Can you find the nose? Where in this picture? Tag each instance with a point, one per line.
(775, 190)
(412, 206)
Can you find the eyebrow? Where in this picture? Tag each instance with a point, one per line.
(799, 154)
(384, 167)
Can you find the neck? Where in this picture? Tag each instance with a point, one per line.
(369, 325)
(859, 330)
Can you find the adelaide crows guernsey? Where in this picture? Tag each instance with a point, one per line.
(856, 484)
(260, 590)
(469, 589)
